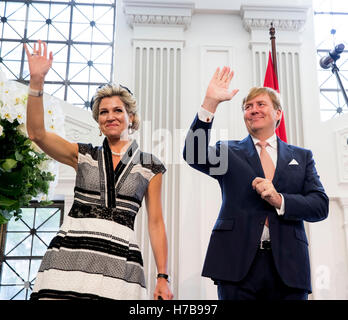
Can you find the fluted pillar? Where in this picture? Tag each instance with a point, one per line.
(288, 23)
(158, 41)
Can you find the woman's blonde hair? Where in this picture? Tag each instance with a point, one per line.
(273, 94)
(125, 95)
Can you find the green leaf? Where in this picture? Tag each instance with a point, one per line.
(46, 203)
(20, 176)
(6, 202)
(3, 220)
(5, 216)
(18, 156)
(27, 142)
(9, 164)
(13, 191)
(12, 178)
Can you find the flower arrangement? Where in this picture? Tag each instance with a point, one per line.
(26, 172)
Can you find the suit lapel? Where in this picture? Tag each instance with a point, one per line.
(251, 156)
(284, 157)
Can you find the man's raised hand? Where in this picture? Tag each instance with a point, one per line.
(218, 89)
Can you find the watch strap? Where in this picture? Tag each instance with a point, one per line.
(164, 276)
(35, 93)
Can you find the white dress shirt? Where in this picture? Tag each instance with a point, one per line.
(207, 116)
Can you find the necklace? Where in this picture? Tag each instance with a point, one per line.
(118, 154)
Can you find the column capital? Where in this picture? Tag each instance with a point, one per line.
(283, 18)
(152, 13)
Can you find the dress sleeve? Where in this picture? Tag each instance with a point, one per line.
(152, 163)
(158, 166)
(87, 149)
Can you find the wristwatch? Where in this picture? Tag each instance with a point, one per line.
(164, 276)
(35, 93)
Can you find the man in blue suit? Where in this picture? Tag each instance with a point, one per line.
(258, 247)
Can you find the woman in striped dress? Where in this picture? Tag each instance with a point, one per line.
(94, 254)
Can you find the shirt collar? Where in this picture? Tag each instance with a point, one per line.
(272, 141)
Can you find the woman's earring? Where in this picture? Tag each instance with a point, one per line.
(130, 130)
(100, 133)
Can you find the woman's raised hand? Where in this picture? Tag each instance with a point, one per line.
(39, 62)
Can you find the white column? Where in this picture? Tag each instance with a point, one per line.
(288, 23)
(343, 202)
(342, 154)
(158, 41)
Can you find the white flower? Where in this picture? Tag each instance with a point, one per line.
(20, 118)
(32, 154)
(36, 147)
(13, 101)
(20, 113)
(22, 129)
(54, 117)
(13, 104)
(44, 165)
(6, 113)
(50, 111)
(41, 197)
(6, 97)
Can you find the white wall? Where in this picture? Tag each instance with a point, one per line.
(328, 238)
(215, 33)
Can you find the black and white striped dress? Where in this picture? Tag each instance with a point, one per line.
(95, 254)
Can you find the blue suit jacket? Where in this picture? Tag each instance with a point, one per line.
(237, 232)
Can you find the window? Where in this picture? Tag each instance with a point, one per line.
(331, 23)
(22, 246)
(80, 33)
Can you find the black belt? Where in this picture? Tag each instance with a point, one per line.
(265, 245)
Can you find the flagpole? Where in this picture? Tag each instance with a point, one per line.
(281, 130)
(274, 51)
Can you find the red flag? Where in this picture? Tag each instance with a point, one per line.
(271, 81)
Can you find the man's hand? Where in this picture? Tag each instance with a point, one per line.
(217, 90)
(264, 187)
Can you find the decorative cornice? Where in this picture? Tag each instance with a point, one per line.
(283, 18)
(158, 13)
(133, 19)
(289, 25)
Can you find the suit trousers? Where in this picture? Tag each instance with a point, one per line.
(261, 283)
